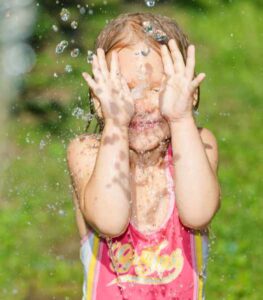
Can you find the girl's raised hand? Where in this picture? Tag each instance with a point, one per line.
(111, 89)
(178, 85)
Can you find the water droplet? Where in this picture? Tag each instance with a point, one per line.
(61, 212)
(75, 52)
(64, 14)
(42, 144)
(74, 24)
(150, 3)
(147, 25)
(78, 112)
(55, 28)
(196, 112)
(90, 58)
(145, 52)
(82, 10)
(61, 46)
(68, 68)
(88, 117)
(160, 36)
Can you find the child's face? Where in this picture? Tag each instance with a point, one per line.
(142, 68)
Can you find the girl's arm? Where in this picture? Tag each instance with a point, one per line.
(105, 199)
(100, 175)
(80, 221)
(104, 194)
(195, 158)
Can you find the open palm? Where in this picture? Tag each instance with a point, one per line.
(178, 86)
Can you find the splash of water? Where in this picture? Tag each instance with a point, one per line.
(150, 3)
(75, 52)
(89, 57)
(68, 68)
(74, 24)
(55, 28)
(64, 14)
(61, 46)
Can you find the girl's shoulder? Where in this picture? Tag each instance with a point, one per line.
(89, 142)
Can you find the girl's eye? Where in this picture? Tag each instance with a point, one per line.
(156, 90)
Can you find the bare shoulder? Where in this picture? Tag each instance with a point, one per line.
(211, 147)
(81, 157)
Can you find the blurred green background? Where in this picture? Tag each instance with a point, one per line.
(39, 248)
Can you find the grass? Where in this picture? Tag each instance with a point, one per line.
(39, 250)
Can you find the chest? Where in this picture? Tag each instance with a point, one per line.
(150, 199)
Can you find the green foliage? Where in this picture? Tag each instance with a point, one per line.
(39, 249)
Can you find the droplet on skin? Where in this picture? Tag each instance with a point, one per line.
(145, 52)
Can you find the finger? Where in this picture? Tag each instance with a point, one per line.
(167, 60)
(197, 81)
(190, 62)
(125, 85)
(96, 69)
(103, 63)
(163, 82)
(92, 84)
(115, 69)
(179, 65)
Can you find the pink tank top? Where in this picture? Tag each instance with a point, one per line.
(169, 263)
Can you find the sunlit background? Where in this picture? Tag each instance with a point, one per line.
(44, 48)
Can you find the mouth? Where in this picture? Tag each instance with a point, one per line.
(144, 125)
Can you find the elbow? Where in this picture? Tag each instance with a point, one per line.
(195, 224)
(199, 221)
(106, 223)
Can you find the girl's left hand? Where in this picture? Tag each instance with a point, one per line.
(178, 85)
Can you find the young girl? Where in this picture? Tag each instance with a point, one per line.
(145, 188)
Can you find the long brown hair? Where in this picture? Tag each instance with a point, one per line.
(128, 28)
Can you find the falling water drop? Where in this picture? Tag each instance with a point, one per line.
(150, 3)
(64, 14)
(42, 144)
(78, 112)
(68, 68)
(55, 28)
(82, 10)
(74, 53)
(61, 46)
(89, 58)
(74, 24)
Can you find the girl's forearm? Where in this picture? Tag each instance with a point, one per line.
(196, 185)
(106, 197)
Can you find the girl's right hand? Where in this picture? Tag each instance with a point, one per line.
(111, 89)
